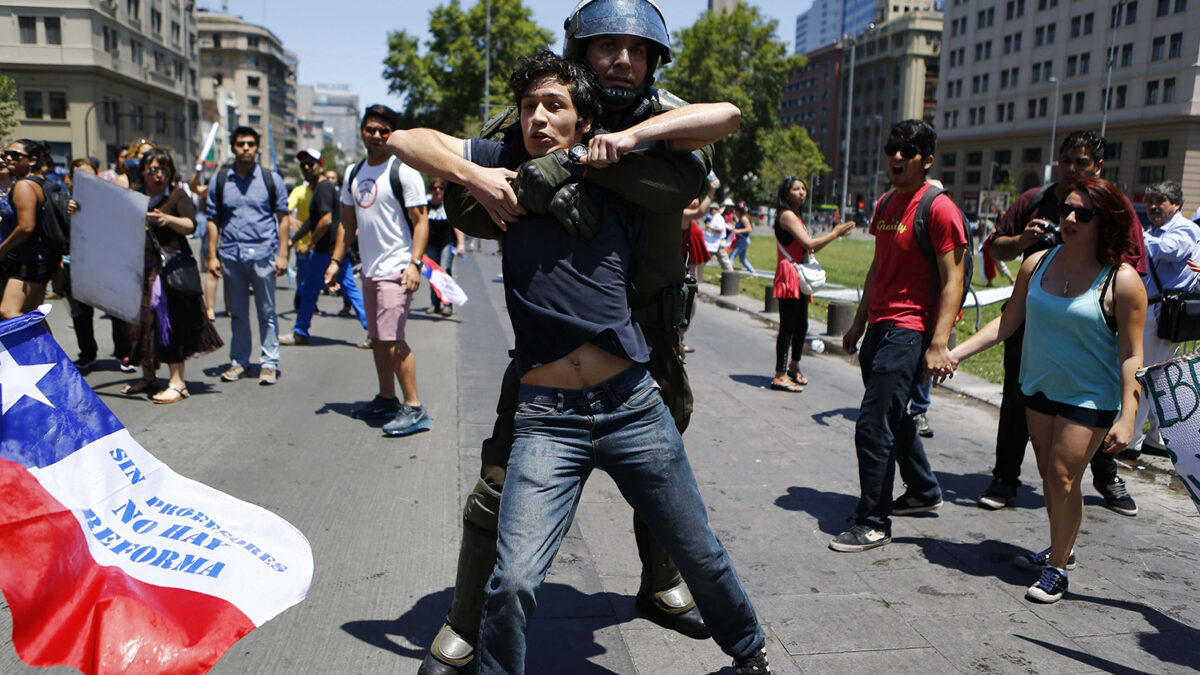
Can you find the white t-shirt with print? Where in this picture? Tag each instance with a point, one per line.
(384, 236)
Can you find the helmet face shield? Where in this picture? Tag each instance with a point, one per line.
(637, 18)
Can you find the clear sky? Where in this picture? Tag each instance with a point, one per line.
(346, 41)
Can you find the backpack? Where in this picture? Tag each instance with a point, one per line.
(394, 179)
(925, 242)
(219, 194)
(55, 222)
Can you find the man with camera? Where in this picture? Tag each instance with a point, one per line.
(1031, 225)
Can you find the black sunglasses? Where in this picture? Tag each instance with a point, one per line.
(155, 170)
(308, 165)
(1082, 213)
(15, 154)
(375, 130)
(906, 150)
(245, 144)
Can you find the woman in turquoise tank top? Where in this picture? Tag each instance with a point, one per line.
(1083, 312)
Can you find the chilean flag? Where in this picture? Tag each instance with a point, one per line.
(110, 561)
(444, 285)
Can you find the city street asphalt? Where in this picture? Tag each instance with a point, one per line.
(778, 474)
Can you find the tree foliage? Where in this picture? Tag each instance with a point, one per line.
(8, 106)
(734, 56)
(443, 87)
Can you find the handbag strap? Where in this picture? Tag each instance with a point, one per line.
(1154, 274)
(789, 255)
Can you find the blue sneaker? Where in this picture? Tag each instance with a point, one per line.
(1036, 562)
(377, 408)
(1049, 587)
(409, 420)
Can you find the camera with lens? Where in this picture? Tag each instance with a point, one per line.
(1050, 237)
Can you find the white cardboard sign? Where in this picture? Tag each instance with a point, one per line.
(1173, 390)
(108, 240)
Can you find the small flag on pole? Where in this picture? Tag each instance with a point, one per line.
(444, 285)
(110, 561)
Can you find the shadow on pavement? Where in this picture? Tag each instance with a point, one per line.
(1085, 658)
(965, 489)
(560, 640)
(831, 509)
(347, 410)
(987, 558)
(758, 381)
(848, 414)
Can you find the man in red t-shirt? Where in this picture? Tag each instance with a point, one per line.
(907, 336)
(1020, 233)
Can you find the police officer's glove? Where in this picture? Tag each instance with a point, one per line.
(538, 180)
(576, 210)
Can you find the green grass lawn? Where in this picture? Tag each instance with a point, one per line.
(846, 262)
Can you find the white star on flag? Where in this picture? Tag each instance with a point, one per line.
(17, 381)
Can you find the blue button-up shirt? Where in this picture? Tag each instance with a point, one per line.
(246, 220)
(1169, 248)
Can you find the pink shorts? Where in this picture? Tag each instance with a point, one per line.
(387, 303)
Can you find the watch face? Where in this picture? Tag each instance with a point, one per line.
(577, 152)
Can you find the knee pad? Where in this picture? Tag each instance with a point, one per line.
(482, 509)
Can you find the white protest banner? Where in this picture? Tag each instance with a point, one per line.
(1173, 389)
(108, 241)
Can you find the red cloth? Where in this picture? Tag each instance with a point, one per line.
(902, 290)
(787, 280)
(694, 250)
(989, 263)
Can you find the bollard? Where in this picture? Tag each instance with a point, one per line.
(841, 315)
(771, 306)
(729, 283)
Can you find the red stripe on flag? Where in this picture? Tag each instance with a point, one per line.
(68, 610)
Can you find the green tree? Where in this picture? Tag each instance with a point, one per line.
(734, 56)
(443, 88)
(8, 106)
(787, 151)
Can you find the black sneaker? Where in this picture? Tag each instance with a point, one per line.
(909, 505)
(998, 495)
(1117, 498)
(409, 420)
(754, 664)
(126, 366)
(859, 538)
(1155, 449)
(1035, 562)
(377, 408)
(923, 428)
(84, 364)
(1049, 587)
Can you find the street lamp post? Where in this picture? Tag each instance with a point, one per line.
(853, 41)
(87, 133)
(875, 171)
(1054, 123)
(1112, 46)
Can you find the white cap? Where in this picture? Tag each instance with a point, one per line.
(311, 153)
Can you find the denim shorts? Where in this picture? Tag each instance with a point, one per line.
(31, 271)
(1088, 417)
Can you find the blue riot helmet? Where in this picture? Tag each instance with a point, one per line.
(637, 18)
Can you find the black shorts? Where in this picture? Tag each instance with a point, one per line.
(32, 271)
(1088, 417)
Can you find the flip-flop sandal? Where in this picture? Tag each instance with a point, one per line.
(794, 388)
(798, 377)
(182, 394)
(139, 387)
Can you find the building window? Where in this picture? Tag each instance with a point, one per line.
(947, 178)
(1156, 149)
(973, 177)
(1039, 36)
(949, 159)
(1066, 104)
(1168, 90)
(1158, 48)
(1050, 34)
(33, 105)
(106, 110)
(53, 30)
(1152, 92)
(252, 42)
(1072, 64)
(175, 32)
(254, 120)
(1043, 104)
(1152, 174)
(1176, 49)
(1085, 62)
(1079, 101)
(975, 158)
(1109, 173)
(136, 50)
(135, 9)
(253, 82)
(1037, 73)
(255, 101)
(216, 40)
(28, 28)
(156, 21)
(1112, 152)
(1031, 155)
(58, 105)
(1164, 8)
(1121, 90)
(160, 122)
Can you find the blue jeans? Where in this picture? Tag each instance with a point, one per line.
(892, 359)
(918, 400)
(239, 277)
(310, 291)
(623, 427)
(740, 247)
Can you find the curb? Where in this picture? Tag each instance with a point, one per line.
(1158, 470)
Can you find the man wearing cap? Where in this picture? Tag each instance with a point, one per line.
(318, 207)
(622, 41)
(716, 231)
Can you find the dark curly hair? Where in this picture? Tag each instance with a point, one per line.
(580, 81)
(1113, 217)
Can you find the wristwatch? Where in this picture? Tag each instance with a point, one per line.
(418, 263)
(577, 152)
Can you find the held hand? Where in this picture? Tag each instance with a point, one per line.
(1030, 235)
(281, 264)
(72, 207)
(214, 266)
(574, 209)
(156, 218)
(850, 339)
(938, 363)
(411, 278)
(607, 149)
(492, 190)
(331, 274)
(540, 178)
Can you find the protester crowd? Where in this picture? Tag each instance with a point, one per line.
(600, 189)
